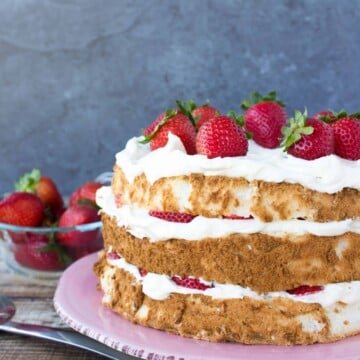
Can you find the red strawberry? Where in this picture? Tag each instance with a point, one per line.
(263, 119)
(325, 115)
(42, 186)
(142, 272)
(49, 194)
(86, 193)
(22, 209)
(176, 123)
(221, 137)
(307, 138)
(305, 290)
(347, 138)
(78, 215)
(190, 282)
(204, 113)
(170, 216)
(33, 253)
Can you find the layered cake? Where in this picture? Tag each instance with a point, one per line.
(257, 248)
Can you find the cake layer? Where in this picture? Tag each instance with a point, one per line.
(217, 196)
(266, 184)
(273, 320)
(259, 261)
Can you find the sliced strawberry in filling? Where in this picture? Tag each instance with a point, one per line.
(118, 200)
(305, 290)
(237, 217)
(171, 216)
(113, 255)
(190, 282)
(142, 272)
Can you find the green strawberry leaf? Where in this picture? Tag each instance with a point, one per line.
(338, 115)
(53, 245)
(28, 181)
(307, 130)
(245, 104)
(355, 115)
(294, 129)
(256, 98)
(186, 108)
(238, 118)
(168, 115)
(88, 203)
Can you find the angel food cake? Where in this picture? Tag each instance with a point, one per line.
(249, 244)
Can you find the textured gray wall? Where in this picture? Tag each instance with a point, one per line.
(79, 77)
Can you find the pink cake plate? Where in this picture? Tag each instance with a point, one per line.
(78, 303)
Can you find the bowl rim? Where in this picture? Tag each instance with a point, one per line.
(55, 229)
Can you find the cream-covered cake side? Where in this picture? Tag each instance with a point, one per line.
(239, 315)
(213, 236)
(267, 184)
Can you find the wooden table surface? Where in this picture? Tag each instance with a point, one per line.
(34, 303)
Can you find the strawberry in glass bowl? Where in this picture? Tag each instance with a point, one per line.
(41, 233)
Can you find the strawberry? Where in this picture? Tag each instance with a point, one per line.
(170, 216)
(305, 290)
(204, 113)
(198, 115)
(113, 255)
(307, 138)
(78, 215)
(142, 272)
(175, 122)
(118, 200)
(42, 186)
(190, 282)
(22, 209)
(85, 194)
(347, 137)
(237, 217)
(326, 115)
(221, 137)
(263, 118)
(33, 253)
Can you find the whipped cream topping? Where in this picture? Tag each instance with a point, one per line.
(328, 174)
(159, 287)
(140, 224)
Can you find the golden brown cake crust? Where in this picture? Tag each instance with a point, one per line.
(259, 261)
(248, 321)
(215, 196)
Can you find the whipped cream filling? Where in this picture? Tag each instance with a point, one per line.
(140, 224)
(328, 174)
(159, 287)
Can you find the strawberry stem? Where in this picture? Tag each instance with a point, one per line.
(186, 108)
(295, 128)
(28, 181)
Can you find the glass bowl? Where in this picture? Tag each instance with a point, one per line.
(35, 253)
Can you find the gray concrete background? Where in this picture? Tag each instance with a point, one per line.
(79, 77)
